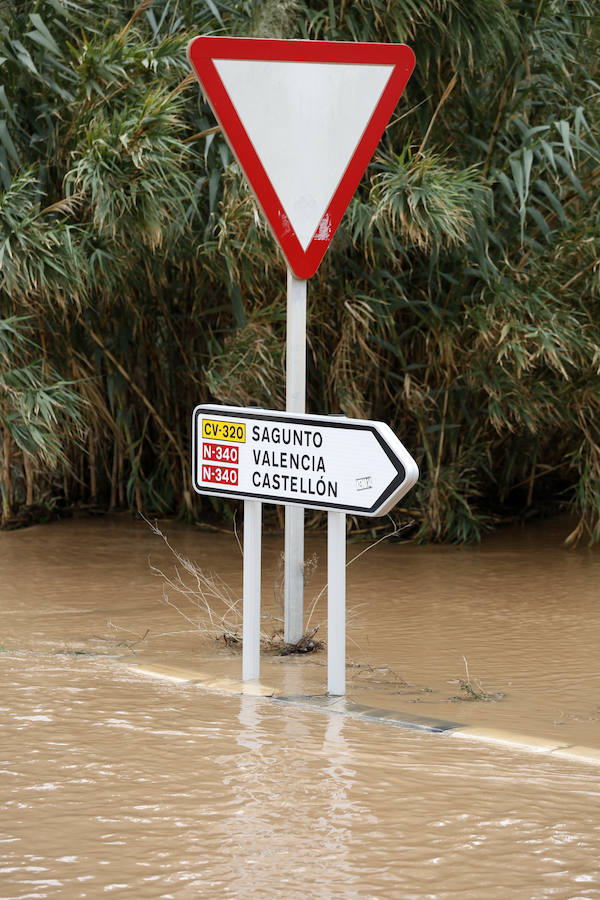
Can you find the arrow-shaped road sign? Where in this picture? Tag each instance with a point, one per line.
(326, 462)
(303, 119)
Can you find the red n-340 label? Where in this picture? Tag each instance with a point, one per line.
(221, 453)
(219, 474)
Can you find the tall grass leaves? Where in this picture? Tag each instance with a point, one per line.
(459, 300)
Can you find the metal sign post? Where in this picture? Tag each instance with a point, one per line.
(336, 603)
(295, 395)
(251, 590)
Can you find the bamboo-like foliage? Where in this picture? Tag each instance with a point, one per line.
(458, 302)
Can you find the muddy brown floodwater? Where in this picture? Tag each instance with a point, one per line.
(112, 782)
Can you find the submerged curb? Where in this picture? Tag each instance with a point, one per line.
(358, 711)
(193, 676)
(397, 718)
(531, 744)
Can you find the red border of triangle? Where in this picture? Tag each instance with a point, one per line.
(201, 53)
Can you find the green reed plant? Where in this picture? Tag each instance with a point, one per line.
(458, 302)
(39, 414)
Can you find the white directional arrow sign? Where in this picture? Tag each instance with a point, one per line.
(332, 463)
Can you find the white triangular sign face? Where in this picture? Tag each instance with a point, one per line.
(303, 119)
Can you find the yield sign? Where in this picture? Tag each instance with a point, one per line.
(303, 119)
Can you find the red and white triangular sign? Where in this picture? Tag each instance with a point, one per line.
(303, 119)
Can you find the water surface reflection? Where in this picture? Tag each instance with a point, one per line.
(111, 782)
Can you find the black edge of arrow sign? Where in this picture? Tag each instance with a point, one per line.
(232, 414)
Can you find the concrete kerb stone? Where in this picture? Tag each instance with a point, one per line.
(203, 679)
(398, 718)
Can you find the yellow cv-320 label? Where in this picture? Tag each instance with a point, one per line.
(223, 431)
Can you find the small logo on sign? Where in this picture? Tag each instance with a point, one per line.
(363, 484)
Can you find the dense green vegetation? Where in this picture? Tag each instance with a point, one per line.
(460, 300)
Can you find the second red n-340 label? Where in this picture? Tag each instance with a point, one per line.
(226, 453)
